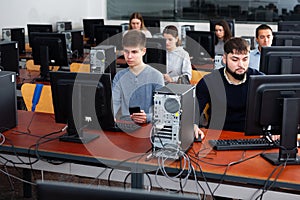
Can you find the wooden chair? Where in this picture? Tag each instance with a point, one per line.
(30, 66)
(80, 67)
(197, 76)
(45, 103)
(28, 48)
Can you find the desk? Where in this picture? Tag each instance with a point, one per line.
(112, 149)
(26, 76)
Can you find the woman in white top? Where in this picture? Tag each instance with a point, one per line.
(136, 22)
(178, 59)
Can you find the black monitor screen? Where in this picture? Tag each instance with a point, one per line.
(108, 35)
(88, 26)
(152, 24)
(38, 28)
(273, 107)
(47, 190)
(280, 60)
(9, 56)
(286, 40)
(156, 54)
(200, 44)
(49, 49)
(231, 23)
(82, 100)
(15, 34)
(289, 26)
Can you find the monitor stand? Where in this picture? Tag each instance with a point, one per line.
(77, 136)
(74, 135)
(288, 140)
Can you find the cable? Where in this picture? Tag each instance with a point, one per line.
(161, 167)
(15, 177)
(97, 177)
(243, 159)
(3, 139)
(265, 188)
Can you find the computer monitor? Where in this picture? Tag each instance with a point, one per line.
(156, 54)
(286, 40)
(88, 28)
(37, 28)
(15, 34)
(200, 45)
(231, 23)
(280, 60)
(273, 107)
(288, 26)
(82, 101)
(108, 35)
(152, 24)
(9, 56)
(275, 33)
(48, 190)
(49, 49)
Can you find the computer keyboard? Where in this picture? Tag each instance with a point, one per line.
(125, 124)
(127, 127)
(243, 144)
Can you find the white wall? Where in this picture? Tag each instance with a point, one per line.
(17, 13)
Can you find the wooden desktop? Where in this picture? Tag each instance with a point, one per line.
(130, 151)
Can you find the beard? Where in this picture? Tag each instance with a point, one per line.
(234, 74)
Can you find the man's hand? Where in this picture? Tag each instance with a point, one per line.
(139, 117)
(198, 132)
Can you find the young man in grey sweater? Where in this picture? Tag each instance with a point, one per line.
(135, 85)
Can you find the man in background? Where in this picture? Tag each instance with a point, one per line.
(264, 38)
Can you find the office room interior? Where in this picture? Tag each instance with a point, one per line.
(19, 14)
(34, 162)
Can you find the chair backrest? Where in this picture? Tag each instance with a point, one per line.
(32, 67)
(45, 103)
(197, 76)
(79, 67)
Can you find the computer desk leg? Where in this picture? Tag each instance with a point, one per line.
(27, 189)
(137, 180)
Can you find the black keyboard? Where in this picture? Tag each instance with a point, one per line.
(125, 124)
(243, 144)
(128, 127)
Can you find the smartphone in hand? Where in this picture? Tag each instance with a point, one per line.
(134, 110)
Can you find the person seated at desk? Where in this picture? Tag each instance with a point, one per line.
(135, 85)
(222, 34)
(136, 22)
(264, 38)
(178, 59)
(225, 89)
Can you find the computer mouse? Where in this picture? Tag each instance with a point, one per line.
(199, 139)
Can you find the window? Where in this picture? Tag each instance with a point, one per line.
(180, 10)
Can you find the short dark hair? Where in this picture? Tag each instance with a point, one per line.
(236, 45)
(134, 38)
(262, 27)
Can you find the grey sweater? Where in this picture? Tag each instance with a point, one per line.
(179, 63)
(130, 90)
